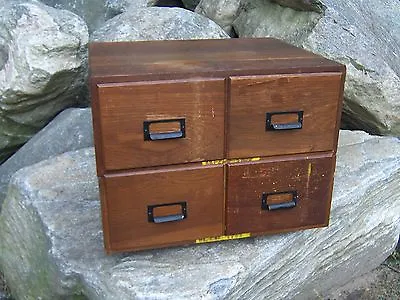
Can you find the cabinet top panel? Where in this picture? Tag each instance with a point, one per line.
(158, 60)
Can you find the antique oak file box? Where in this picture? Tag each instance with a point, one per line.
(209, 140)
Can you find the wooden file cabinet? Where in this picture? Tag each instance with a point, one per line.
(209, 140)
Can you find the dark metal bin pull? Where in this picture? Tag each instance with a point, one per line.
(282, 205)
(156, 136)
(168, 218)
(284, 126)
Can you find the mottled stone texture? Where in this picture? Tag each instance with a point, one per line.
(223, 12)
(43, 54)
(158, 23)
(305, 5)
(70, 130)
(97, 12)
(52, 247)
(363, 34)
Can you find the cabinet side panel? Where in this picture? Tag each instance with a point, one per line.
(96, 121)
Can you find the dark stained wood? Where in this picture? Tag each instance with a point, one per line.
(124, 107)
(96, 121)
(339, 110)
(157, 60)
(126, 197)
(311, 176)
(223, 89)
(251, 97)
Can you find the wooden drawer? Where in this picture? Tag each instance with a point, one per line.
(167, 206)
(283, 114)
(157, 123)
(279, 194)
(212, 140)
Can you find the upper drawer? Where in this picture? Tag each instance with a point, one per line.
(159, 123)
(283, 114)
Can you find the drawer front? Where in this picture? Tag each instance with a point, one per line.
(159, 123)
(150, 209)
(283, 114)
(280, 194)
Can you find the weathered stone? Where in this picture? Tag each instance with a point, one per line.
(42, 68)
(116, 7)
(305, 5)
(190, 4)
(262, 18)
(223, 12)
(158, 23)
(70, 130)
(97, 12)
(52, 244)
(343, 32)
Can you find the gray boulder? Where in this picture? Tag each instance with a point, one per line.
(158, 23)
(52, 243)
(305, 5)
(364, 35)
(97, 12)
(43, 54)
(223, 12)
(70, 130)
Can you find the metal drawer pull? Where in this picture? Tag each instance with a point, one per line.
(284, 126)
(155, 136)
(168, 218)
(280, 205)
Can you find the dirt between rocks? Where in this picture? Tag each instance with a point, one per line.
(383, 283)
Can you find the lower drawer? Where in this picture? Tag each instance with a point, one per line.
(279, 194)
(162, 207)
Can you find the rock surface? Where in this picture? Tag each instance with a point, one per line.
(223, 12)
(52, 247)
(70, 130)
(305, 5)
(158, 23)
(43, 54)
(364, 35)
(96, 12)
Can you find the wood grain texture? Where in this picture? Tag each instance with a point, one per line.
(223, 90)
(310, 176)
(128, 195)
(124, 107)
(339, 109)
(126, 61)
(251, 97)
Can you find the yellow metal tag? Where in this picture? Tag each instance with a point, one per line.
(223, 238)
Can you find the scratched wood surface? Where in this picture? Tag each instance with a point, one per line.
(223, 90)
(311, 176)
(156, 60)
(127, 196)
(317, 95)
(124, 107)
